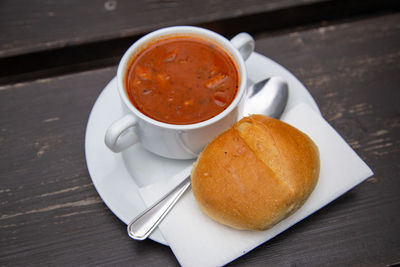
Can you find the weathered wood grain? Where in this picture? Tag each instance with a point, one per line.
(41, 39)
(54, 24)
(352, 69)
(50, 213)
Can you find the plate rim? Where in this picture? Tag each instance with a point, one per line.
(157, 236)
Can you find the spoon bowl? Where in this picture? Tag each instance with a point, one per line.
(267, 97)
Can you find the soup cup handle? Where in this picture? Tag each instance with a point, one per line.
(118, 137)
(244, 43)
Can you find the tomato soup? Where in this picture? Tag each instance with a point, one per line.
(182, 80)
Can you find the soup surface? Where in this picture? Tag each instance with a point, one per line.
(182, 80)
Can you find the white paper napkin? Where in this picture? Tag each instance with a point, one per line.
(196, 240)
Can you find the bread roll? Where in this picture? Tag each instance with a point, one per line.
(256, 173)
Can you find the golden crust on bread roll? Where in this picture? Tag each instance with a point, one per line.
(256, 173)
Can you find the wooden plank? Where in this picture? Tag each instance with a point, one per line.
(352, 71)
(48, 38)
(30, 26)
(50, 213)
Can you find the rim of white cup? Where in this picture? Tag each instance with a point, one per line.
(181, 31)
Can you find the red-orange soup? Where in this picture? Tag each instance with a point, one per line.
(182, 80)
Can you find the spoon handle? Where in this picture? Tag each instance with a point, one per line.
(144, 224)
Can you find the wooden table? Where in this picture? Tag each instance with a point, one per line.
(56, 57)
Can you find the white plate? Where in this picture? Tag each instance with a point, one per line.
(117, 176)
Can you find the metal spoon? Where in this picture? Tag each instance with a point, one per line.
(267, 97)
